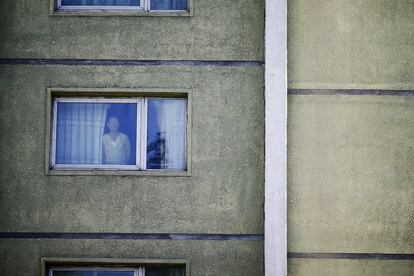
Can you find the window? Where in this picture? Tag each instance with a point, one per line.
(117, 271)
(135, 133)
(113, 267)
(138, 5)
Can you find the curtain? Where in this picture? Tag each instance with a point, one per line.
(93, 273)
(164, 271)
(168, 118)
(169, 4)
(80, 128)
(100, 2)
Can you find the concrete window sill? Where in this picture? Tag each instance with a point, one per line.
(138, 13)
(150, 173)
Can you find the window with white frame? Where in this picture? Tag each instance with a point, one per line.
(139, 5)
(143, 133)
(116, 271)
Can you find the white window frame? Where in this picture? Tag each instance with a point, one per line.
(141, 134)
(145, 5)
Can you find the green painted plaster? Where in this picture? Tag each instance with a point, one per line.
(351, 44)
(228, 30)
(302, 267)
(350, 172)
(206, 258)
(224, 194)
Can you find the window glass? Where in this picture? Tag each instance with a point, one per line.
(166, 134)
(164, 271)
(92, 273)
(169, 5)
(100, 2)
(96, 133)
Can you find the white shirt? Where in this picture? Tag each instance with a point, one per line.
(116, 152)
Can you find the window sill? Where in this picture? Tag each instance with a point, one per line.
(100, 12)
(100, 172)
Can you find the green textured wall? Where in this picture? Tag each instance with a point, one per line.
(206, 257)
(232, 30)
(351, 161)
(351, 44)
(224, 193)
(350, 157)
(351, 268)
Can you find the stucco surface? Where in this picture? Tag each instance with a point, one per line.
(228, 30)
(299, 267)
(230, 258)
(223, 195)
(350, 172)
(351, 44)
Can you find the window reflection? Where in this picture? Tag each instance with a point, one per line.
(166, 137)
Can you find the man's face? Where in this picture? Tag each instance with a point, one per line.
(113, 124)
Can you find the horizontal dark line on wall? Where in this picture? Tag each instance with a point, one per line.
(117, 62)
(131, 236)
(351, 256)
(351, 92)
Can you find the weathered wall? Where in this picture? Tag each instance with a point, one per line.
(232, 30)
(350, 158)
(351, 44)
(223, 195)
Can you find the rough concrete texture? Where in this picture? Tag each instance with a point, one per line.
(223, 195)
(302, 267)
(350, 171)
(230, 30)
(351, 44)
(207, 258)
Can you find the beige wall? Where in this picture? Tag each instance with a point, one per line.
(351, 157)
(351, 44)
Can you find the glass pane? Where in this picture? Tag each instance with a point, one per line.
(169, 4)
(164, 271)
(100, 2)
(166, 136)
(92, 273)
(96, 133)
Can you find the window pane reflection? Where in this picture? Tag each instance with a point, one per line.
(100, 2)
(169, 5)
(93, 273)
(164, 271)
(96, 133)
(166, 137)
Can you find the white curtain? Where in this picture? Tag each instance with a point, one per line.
(80, 128)
(169, 4)
(100, 2)
(172, 123)
(164, 271)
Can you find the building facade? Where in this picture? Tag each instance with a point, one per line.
(350, 133)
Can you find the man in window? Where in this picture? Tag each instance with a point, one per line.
(116, 147)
